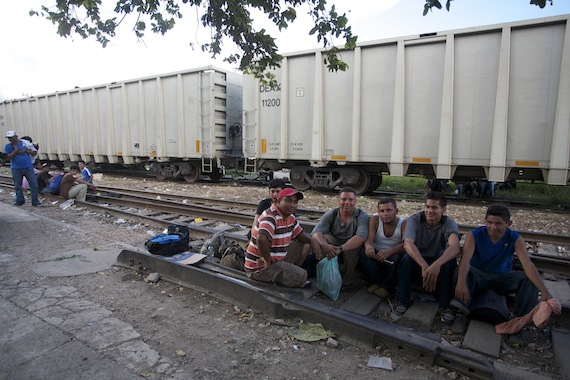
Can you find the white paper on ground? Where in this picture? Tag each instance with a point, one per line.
(380, 362)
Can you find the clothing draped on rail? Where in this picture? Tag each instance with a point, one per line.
(539, 315)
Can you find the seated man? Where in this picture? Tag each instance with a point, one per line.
(275, 186)
(383, 249)
(86, 174)
(342, 232)
(43, 178)
(71, 187)
(267, 258)
(487, 263)
(431, 242)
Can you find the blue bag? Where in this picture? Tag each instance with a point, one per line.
(166, 245)
(53, 186)
(329, 280)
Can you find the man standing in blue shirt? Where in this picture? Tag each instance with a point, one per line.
(21, 163)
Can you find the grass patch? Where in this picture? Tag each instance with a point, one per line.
(526, 191)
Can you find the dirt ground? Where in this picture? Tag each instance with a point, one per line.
(198, 336)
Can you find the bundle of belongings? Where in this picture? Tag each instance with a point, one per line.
(228, 252)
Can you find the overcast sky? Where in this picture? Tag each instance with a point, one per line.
(34, 60)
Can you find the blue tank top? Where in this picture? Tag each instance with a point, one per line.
(494, 257)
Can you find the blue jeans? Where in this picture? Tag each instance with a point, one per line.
(409, 270)
(380, 273)
(17, 176)
(504, 284)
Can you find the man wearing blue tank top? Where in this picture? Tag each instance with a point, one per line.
(487, 263)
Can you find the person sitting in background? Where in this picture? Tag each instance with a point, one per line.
(342, 232)
(268, 258)
(383, 249)
(44, 178)
(72, 187)
(274, 186)
(487, 263)
(85, 172)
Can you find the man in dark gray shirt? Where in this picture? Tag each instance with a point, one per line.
(342, 232)
(431, 242)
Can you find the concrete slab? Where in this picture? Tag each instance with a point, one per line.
(15, 214)
(509, 372)
(420, 315)
(560, 290)
(481, 337)
(77, 262)
(561, 347)
(362, 303)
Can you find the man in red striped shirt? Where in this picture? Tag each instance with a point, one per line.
(267, 257)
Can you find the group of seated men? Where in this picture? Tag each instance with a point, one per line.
(392, 252)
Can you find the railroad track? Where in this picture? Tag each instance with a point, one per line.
(185, 209)
(205, 216)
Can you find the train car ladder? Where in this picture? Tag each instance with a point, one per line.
(207, 165)
(250, 165)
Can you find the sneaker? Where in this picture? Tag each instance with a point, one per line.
(448, 315)
(372, 288)
(398, 311)
(382, 293)
(460, 324)
(459, 306)
(17, 204)
(38, 205)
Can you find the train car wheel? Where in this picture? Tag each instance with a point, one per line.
(193, 175)
(375, 182)
(298, 181)
(359, 182)
(159, 174)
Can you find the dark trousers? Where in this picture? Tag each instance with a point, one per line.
(409, 270)
(505, 283)
(380, 273)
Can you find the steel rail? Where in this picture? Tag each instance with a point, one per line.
(529, 236)
(544, 263)
(278, 302)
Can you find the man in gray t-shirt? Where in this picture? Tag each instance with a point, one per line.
(431, 242)
(342, 232)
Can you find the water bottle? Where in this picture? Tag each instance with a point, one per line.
(210, 250)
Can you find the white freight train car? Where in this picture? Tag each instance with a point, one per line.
(185, 123)
(489, 102)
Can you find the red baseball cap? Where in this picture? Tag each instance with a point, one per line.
(289, 192)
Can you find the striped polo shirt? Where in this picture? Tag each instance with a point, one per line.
(279, 229)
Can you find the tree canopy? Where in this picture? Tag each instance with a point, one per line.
(430, 4)
(225, 18)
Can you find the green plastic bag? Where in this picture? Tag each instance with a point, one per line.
(329, 280)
